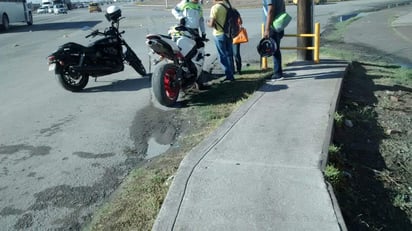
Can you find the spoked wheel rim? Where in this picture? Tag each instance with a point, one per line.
(74, 80)
(170, 83)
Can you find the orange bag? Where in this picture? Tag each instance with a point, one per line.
(241, 37)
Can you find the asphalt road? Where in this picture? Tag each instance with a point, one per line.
(63, 153)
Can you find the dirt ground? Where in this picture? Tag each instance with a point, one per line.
(375, 141)
(375, 152)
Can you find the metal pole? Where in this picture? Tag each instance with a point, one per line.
(264, 59)
(305, 26)
(316, 52)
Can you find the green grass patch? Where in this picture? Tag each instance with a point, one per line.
(339, 30)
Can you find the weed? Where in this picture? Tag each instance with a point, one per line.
(333, 149)
(402, 201)
(338, 119)
(333, 175)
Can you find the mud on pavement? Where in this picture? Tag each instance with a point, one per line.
(73, 206)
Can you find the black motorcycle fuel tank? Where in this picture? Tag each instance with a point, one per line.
(75, 47)
(108, 45)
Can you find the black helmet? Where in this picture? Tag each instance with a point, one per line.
(266, 47)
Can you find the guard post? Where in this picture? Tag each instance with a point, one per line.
(315, 47)
(264, 60)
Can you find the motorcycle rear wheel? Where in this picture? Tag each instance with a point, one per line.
(165, 84)
(70, 83)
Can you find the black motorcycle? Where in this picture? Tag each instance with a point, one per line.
(74, 63)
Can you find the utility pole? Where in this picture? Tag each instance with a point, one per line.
(305, 26)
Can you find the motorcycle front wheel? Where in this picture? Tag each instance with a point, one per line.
(165, 84)
(72, 83)
(135, 62)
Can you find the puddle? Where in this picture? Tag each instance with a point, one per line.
(345, 17)
(154, 148)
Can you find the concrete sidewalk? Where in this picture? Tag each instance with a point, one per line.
(262, 169)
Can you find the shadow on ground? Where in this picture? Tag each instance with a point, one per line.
(365, 200)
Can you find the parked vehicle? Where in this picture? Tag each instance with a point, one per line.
(13, 12)
(94, 7)
(43, 10)
(317, 2)
(182, 54)
(59, 9)
(73, 63)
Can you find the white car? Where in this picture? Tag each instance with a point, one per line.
(43, 10)
(59, 9)
(50, 9)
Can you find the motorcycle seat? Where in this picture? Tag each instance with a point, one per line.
(157, 36)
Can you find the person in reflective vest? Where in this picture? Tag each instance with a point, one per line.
(190, 14)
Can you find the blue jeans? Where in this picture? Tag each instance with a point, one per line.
(277, 57)
(225, 51)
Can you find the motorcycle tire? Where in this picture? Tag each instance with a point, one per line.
(165, 84)
(74, 84)
(135, 62)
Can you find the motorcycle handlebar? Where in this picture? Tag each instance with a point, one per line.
(94, 33)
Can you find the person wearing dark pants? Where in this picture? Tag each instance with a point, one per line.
(277, 57)
(236, 53)
(238, 59)
(272, 9)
